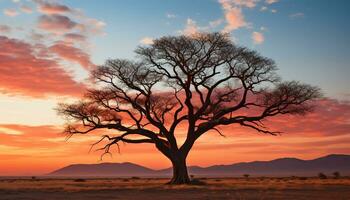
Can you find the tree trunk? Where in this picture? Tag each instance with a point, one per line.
(180, 174)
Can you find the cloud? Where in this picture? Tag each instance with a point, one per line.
(56, 23)
(263, 8)
(146, 40)
(24, 71)
(191, 27)
(233, 15)
(170, 15)
(5, 29)
(235, 19)
(74, 37)
(71, 53)
(258, 38)
(52, 8)
(10, 12)
(296, 15)
(26, 9)
(273, 10)
(215, 23)
(245, 3)
(9, 131)
(271, 1)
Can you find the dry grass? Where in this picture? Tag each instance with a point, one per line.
(215, 188)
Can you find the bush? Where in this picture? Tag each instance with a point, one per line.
(197, 182)
(322, 176)
(135, 177)
(246, 175)
(79, 180)
(336, 175)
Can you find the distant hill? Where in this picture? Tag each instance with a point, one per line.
(277, 167)
(104, 169)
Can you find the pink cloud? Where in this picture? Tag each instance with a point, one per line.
(258, 38)
(74, 37)
(52, 8)
(271, 1)
(10, 12)
(24, 71)
(5, 29)
(71, 53)
(56, 23)
(191, 27)
(233, 15)
(26, 9)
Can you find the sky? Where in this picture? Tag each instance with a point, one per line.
(47, 49)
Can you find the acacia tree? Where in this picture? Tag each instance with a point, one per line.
(201, 82)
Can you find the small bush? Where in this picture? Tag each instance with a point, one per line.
(246, 175)
(197, 182)
(79, 180)
(125, 180)
(303, 178)
(336, 175)
(322, 176)
(135, 177)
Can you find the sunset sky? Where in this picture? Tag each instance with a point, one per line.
(48, 47)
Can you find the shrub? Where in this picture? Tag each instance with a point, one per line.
(79, 180)
(197, 182)
(322, 175)
(246, 175)
(336, 175)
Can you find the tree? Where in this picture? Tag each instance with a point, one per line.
(201, 82)
(336, 175)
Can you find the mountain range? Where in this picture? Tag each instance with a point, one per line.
(278, 167)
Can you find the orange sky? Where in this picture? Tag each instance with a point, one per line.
(27, 150)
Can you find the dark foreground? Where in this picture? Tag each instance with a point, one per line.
(153, 189)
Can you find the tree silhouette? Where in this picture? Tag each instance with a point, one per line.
(201, 82)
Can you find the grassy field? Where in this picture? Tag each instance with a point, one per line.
(153, 189)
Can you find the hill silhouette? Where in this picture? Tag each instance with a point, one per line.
(278, 167)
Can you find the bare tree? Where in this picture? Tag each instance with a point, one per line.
(201, 82)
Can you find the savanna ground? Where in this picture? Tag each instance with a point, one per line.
(153, 189)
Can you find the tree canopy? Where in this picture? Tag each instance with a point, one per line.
(201, 82)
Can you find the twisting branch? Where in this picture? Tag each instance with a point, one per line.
(201, 81)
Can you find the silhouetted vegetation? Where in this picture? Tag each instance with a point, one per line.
(79, 180)
(322, 175)
(336, 175)
(206, 82)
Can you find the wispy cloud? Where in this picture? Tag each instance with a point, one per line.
(170, 15)
(146, 40)
(27, 70)
(258, 38)
(271, 1)
(5, 29)
(296, 15)
(26, 9)
(56, 23)
(11, 12)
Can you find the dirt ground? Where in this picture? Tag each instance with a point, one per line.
(153, 189)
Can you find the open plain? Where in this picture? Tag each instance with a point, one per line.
(262, 188)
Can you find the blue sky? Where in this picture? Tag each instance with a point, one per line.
(308, 39)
